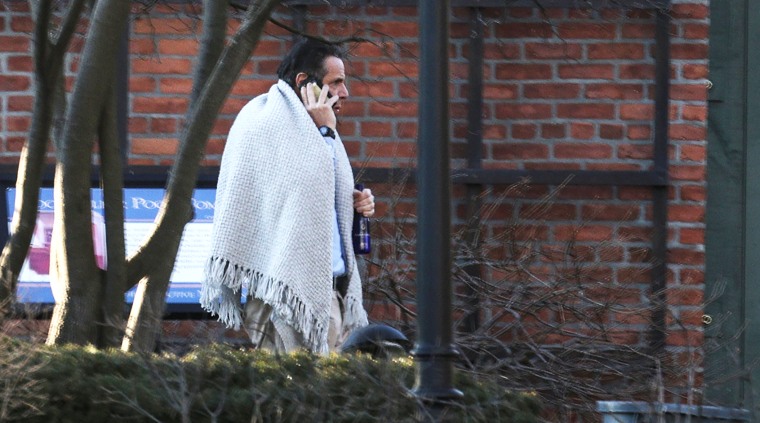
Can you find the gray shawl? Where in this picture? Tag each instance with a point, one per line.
(272, 228)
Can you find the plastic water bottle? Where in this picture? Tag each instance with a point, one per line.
(360, 233)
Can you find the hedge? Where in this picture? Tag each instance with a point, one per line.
(219, 383)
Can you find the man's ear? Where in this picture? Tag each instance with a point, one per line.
(300, 78)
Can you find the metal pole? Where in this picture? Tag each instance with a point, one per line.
(433, 351)
(660, 193)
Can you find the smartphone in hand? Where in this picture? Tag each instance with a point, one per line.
(317, 87)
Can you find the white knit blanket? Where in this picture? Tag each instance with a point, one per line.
(272, 228)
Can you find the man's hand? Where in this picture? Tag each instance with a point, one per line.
(364, 202)
(320, 108)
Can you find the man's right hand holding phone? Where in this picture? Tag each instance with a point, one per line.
(318, 105)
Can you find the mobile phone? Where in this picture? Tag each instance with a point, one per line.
(317, 86)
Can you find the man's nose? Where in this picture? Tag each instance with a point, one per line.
(342, 91)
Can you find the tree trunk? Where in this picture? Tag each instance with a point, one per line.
(112, 182)
(48, 59)
(79, 282)
(176, 207)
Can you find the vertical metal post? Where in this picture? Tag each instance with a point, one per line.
(433, 351)
(660, 194)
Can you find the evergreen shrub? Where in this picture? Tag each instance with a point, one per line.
(219, 383)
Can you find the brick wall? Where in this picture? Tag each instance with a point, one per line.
(569, 89)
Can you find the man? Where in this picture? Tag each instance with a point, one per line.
(284, 210)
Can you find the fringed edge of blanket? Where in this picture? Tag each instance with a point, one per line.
(220, 295)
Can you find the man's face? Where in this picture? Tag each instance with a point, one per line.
(335, 80)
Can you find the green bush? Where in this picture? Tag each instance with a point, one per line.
(221, 384)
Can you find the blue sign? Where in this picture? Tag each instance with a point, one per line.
(141, 207)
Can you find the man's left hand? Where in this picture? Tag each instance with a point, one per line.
(364, 202)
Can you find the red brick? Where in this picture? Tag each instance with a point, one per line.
(176, 85)
(693, 153)
(138, 125)
(586, 31)
(644, 31)
(635, 151)
(222, 127)
(13, 43)
(14, 83)
(390, 69)
(178, 47)
(615, 91)
(251, 87)
(162, 66)
(586, 111)
(376, 129)
(268, 48)
(689, 11)
(161, 105)
(696, 113)
(158, 146)
(397, 29)
(553, 51)
(691, 51)
(498, 51)
(694, 236)
(687, 132)
(689, 92)
(22, 23)
(499, 91)
(523, 131)
(611, 212)
(582, 131)
(636, 111)
(686, 213)
(397, 109)
(142, 84)
(552, 130)
(598, 233)
(168, 26)
(494, 132)
(630, 51)
(582, 151)
(556, 211)
(142, 46)
(693, 193)
(374, 89)
(694, 71)
(523, 111)
(163, 125)
(523, 30)
(637, 71)
(586, 71)
(687, 173)
(265, 67)
(639, 132)
(406, 130)
(696, 31)
(20, 103)
(20, 64)
(18, 123)
(520, 151)
(611, 132)
(391, 149)
(509, 71)
(551, 90)
(692, 277)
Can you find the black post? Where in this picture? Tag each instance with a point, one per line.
(660, 193)
(433, 351)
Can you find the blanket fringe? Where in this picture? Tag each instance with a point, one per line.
(220, 295)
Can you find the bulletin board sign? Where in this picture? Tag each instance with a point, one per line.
(141, 206)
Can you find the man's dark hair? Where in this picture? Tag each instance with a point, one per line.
(307, 55)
